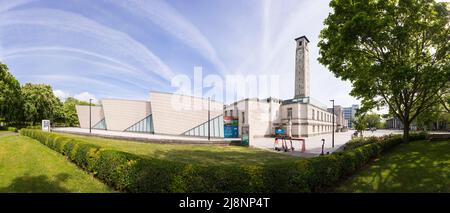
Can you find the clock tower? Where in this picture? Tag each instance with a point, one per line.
(302, 67)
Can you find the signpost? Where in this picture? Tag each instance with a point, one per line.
(245, 140)
(46, 125)
(230, 127)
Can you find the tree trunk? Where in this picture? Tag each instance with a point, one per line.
(406, 132)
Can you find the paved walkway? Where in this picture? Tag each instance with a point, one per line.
(142, 137)
(9, 134)
(314, 144)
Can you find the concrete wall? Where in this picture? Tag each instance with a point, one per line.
(175, 114)
(121, 114)
(83, 115)
(260, 115)
(304, 124)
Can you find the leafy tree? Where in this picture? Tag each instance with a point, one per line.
(434, 118)
(70, 113)
(360, 123)
(40, 103)
(394, 52)
(373, 120)
(10, 96)
(445, 101)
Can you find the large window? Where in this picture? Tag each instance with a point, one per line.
(243, 117)
(215, 125)
(313, 114)
(144, 126)
(289, 113)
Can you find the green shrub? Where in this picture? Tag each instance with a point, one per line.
(86, 156)
(133, 173)
(12, 129)
(34, 127)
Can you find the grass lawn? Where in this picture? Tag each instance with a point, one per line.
(198, 154)
(28, 166)
(420, 166)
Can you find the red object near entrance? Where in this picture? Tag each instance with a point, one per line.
(284, 144)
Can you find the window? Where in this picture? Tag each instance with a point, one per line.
(289, 113)
(243, 117)
(231, 113)
(318, 115)
(321, 116)
(313, 114)
(314, 128)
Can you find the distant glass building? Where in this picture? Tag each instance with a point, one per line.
(349, 114)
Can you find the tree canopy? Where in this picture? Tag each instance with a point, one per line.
(394, 52)
(10, 97)
(70, 113)
(40, 103)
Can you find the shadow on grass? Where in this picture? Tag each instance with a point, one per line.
(419, 166)
(36, 184)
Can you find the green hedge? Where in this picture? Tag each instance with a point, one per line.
(133, 173)
(361, 141)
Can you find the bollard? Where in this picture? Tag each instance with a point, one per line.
(323, 144)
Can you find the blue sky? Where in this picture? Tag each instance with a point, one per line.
(124, 49)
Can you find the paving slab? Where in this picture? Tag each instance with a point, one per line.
(313, 144)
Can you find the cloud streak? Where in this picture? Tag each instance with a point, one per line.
(169, 19)
(106, 38)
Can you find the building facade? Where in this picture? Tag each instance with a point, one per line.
(349, 114)
(341, 122)
(166, 113)
(173, 114)
(302, 116)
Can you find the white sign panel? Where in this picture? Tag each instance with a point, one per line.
(46, 125)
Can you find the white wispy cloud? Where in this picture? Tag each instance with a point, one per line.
(114, 68)
(61, 94)
(7, 5)
(169, 19)
(106, 39)
(86, 96)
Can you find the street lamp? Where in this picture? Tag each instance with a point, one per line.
(209, 118)
(332, 135)
(90, 120)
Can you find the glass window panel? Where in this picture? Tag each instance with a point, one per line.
(202, 132)
(217, 127)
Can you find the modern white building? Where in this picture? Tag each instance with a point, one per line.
(302, 115)
(165, 113)
(175, 114)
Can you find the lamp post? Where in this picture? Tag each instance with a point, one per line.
(90, 120)
(332, 134)
(209, 118)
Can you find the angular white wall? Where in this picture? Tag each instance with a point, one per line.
(121, 114)
(83, 115)
(174, 114)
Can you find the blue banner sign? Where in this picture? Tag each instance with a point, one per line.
(230, 131)
(279, 131)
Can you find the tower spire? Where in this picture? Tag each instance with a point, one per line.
(302, 88)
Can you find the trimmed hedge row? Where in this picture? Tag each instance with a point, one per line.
(133, 173)
(361, 141)
(8, 128)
